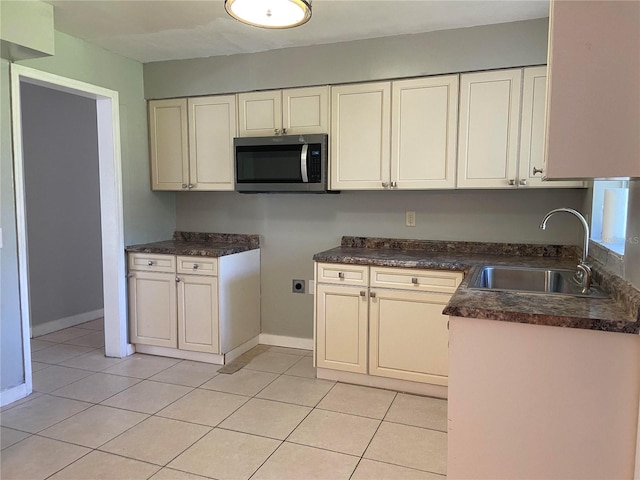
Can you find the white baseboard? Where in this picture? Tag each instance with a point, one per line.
(61, 323)
(13, 394)
(282, 341)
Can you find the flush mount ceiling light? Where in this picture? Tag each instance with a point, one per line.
(270, 13)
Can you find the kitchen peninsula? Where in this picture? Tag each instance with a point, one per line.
(196, 296)
(559, 375)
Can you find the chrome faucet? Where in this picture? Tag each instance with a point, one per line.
(584, 272)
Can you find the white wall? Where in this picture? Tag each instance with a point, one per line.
(293, 227)
(60, 149)
(11, 366)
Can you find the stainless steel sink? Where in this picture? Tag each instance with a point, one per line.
(531, 280)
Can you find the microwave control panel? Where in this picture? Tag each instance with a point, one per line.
(315, 164)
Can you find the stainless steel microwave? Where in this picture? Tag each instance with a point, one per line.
(286, 163)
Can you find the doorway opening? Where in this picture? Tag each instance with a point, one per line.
(112, 263)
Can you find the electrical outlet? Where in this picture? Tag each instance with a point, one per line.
(410, 219)
(297, 286)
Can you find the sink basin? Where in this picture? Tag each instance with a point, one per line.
(531, 280)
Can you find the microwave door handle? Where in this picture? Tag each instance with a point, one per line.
(303, 163)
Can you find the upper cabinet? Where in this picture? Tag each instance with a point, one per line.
(394, 135)
(191, 143)
(489, 125)
(212, 126)
(532, 133)
(424, 123)
(168, 137)
(360, 136)
(594, 90)
(284, 112)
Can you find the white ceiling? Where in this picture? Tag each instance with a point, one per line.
(152, 30)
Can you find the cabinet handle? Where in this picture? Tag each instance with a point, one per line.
(277, 131)
(372, 294)
(150, 262)
(195, 266)
(537, 170)
(512, 181)
(385, 184)
(284, 131)
(341, 275)
(394, 184)
(523, 182)
(184, 185)
(177, 279)
(414, 280)
(363, 293)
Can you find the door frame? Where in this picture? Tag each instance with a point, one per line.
(111, 208)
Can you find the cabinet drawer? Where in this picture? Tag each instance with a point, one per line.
(151, 262)
(198, 265)
(342, 274)
(442, 281)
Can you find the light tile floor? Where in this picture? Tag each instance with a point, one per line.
(147, 417)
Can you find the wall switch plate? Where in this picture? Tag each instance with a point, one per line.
(410, 219)
(297, 286)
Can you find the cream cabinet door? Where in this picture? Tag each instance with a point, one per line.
(408, 336)
(341, 323)
(489, 126)
(168, 144)
(198, 314)
(260, 113)
(152, 308)
(212, 127)
(305, 110)
(424, 124)
(360, 136)
(532, 132)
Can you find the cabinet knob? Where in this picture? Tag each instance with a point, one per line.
(130, 275)
(372, 294)
(385, 184)
(363, 293)
(177, 279)
(512, 181)
(190, 186)
(536, 170)
(276, 131)
(414, 280)
(523, 182)
(150, 262)
(284, 131)
(184, 185)
(341, 275)
(195, 266)
(394, 184)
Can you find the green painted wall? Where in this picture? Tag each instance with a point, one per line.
(148, 216)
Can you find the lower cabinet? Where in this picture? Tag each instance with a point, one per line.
(198, 314)
(342, 323)
(194, 304)
(152, 308)
(370, 328)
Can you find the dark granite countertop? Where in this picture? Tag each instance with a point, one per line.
(620, 313)
(200, 244)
